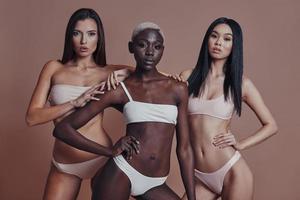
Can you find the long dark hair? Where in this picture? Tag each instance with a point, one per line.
(81, 14)
(233, 68)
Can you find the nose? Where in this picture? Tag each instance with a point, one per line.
(149, 51)
(83, 39)
(218, 42)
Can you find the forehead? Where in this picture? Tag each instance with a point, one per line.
(223, 29)
(150, 35)
(86, 24)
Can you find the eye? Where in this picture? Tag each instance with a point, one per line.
(141, 44)
(228, 39)
(75, 33)
(213, 35)
(158, 46)
(91, 33)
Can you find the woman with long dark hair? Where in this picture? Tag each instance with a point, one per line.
(139, 169)
(217, 89)
(69, 84)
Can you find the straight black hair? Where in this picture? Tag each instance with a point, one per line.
(233, 68)
(84, 13)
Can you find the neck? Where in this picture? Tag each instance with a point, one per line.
(145, 75)
(84, 62)
(217, 67)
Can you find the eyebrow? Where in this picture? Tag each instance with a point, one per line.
(224, 34)
(87, 31)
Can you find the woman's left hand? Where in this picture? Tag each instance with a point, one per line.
(225, 140)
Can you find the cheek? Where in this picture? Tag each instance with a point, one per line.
(94, 41)
(76, 41)
(229, 48)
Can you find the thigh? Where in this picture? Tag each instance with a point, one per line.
(202, 192)
(111, 183)
(238, 182)
(61, 186)
(162, 192)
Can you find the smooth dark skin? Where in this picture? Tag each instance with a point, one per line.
(152, 156)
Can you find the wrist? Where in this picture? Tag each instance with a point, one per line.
(238, 146)
(73, 103)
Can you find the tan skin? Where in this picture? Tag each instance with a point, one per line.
(212, 141)
(82, 71)
(152, 156)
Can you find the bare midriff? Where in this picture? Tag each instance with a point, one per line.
(94, 131)
(203, 128)
(155, 140)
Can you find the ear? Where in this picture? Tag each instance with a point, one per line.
(130, 46)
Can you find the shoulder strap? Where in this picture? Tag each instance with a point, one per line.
(126, 91)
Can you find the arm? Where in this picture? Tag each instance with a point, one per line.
(184, 149)
(66, 129)
(253, 99)
(37, 112)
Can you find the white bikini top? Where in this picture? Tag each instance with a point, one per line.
(136, 111)
(216, 107)
(62, 93)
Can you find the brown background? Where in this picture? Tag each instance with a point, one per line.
(32, 32)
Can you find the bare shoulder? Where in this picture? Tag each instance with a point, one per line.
(186, 74)
(247, 86)
(51, 67)
(179, 88)
(246, 83)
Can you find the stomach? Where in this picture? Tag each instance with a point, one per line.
(208, 157)
(155, 142)
(94, 131)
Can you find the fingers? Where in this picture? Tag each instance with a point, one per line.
(108, 85)
(94, 98)
(135, 145)
(113, 81)
(224, 140)
(130, 145)
(116, 78)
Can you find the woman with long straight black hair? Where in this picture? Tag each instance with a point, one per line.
(217, 89)
(67, 85)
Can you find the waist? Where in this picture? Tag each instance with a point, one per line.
(210, 158)
(155, 149)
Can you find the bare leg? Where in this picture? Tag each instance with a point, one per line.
(202, 192)
(238, 182)
(61, 186)
(111, 183)
(162, 192)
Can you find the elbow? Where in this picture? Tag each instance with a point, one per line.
(274, 128)
(29, 119)
(58, 132)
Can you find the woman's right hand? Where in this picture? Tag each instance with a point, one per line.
(115, 77)
(89, 95)
(127, 144)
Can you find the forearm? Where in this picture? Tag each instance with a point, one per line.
(69, 135)
(259, 136)
(186, 163)
(37, 116)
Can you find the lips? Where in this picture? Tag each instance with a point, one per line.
(149, 61)
(83, 49)
(216, 50)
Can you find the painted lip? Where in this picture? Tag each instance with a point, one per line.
(83, 49)
(216, 50)
(148, 61)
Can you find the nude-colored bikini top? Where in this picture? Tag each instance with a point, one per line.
(136, 111)
(216, 107)
(62, 93)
